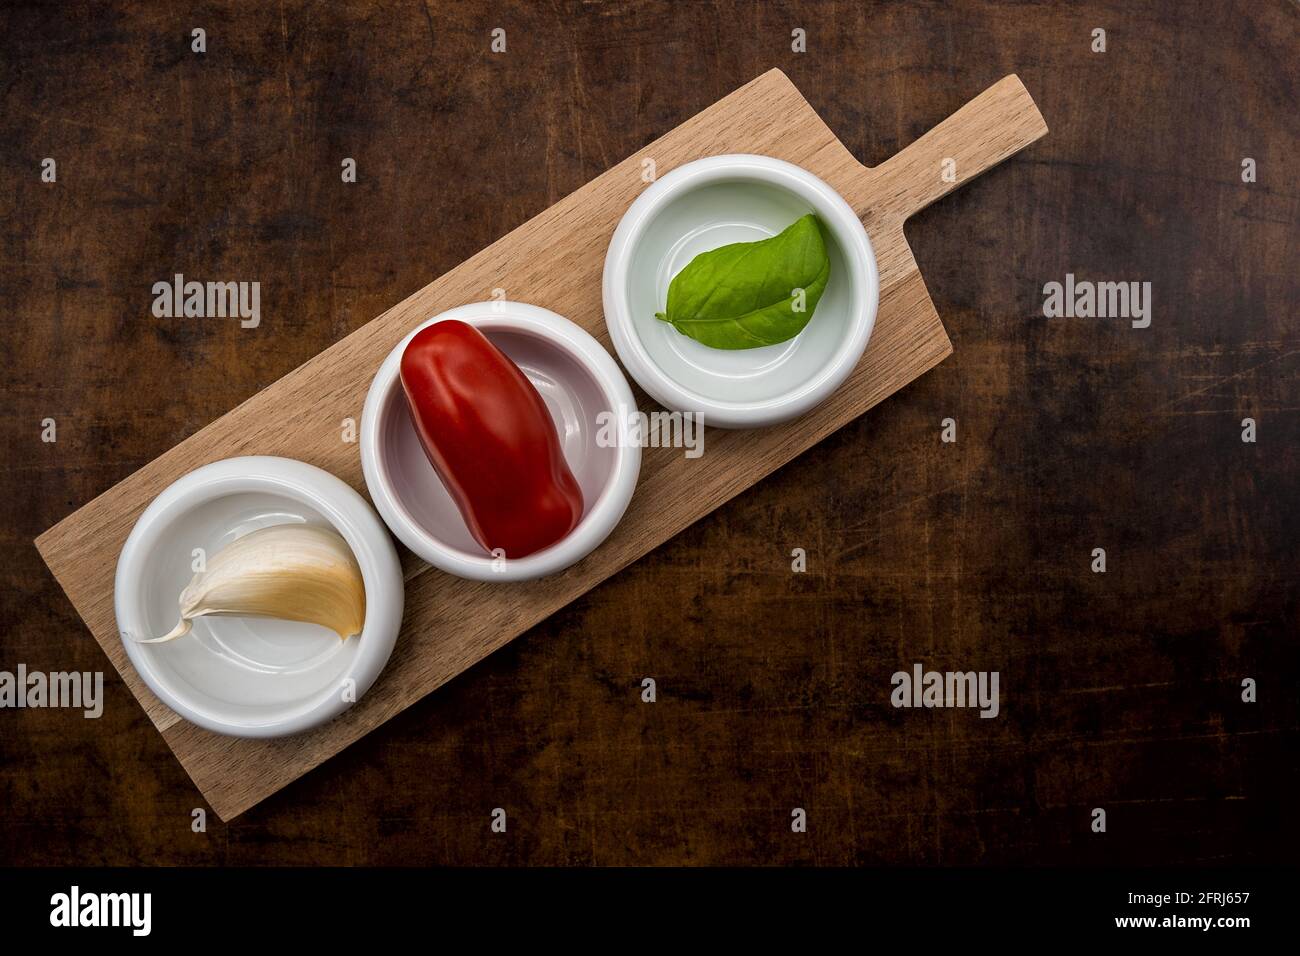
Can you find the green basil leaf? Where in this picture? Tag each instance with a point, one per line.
(744, 295)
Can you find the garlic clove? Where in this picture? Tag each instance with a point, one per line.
(292, 572)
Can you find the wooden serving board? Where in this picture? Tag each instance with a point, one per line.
(555, 260)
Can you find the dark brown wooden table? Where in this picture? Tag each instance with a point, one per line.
(1119, 690)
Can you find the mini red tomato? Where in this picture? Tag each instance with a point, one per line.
(491, 439)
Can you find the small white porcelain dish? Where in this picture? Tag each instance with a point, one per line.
(247, 676)
(714, 202)
(589, 400)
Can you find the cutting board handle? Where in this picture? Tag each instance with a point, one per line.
(999, 122)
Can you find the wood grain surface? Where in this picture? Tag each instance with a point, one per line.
(554, 260)
(1120, 689)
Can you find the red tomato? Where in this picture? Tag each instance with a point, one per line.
(491, 439)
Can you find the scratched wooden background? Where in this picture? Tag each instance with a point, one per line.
(1119, 690)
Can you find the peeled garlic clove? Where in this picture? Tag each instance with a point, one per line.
(293, 572)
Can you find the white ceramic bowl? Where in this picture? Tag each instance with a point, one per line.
(714, 202)
(578, 380)
(246, 676)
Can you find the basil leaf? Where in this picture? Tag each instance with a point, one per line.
(744, 295)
